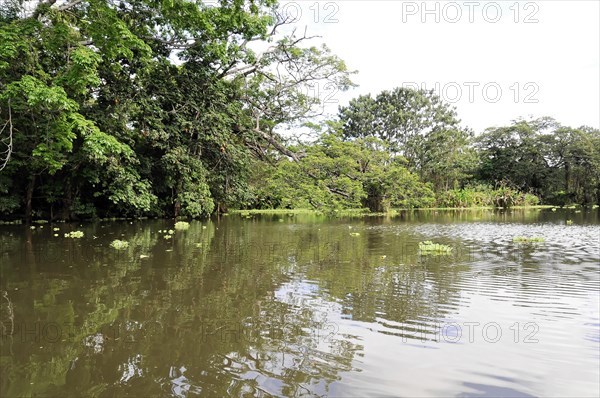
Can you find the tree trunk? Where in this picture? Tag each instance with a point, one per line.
(67, 203)
(567, 177)
(176, 208)
(177, 203)
(221, 208)
(28, 199)
(375, 203)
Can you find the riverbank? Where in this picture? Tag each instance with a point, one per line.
(366, 212)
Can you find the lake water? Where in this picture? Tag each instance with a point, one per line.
(302, 305)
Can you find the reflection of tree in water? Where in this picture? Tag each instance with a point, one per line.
(236, 307)
(206, 311)
(225, 327)
(198, 315)
(381, 278)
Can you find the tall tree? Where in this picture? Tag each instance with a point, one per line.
(416, 124)
(336, 174)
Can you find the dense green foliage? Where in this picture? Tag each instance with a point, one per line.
(146, 107)
(558, 163)
(355, 165)
(334, 174)
(166, 108)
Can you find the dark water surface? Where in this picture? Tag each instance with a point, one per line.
(303, 306)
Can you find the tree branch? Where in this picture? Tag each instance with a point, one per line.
(9, 146)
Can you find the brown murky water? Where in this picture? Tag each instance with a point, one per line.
(303, 306)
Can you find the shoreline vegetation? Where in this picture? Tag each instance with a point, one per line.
(335, 214)
(391, 211)
(108, 113)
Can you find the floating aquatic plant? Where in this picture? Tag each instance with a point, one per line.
(168, 236)
(181, 225)
(56, 229)
(528, 239)
(74, 234)
(15, 222)
(554, 209)
(569, 222)
(170, 232)
(119, 244)
(142, 256)
(428, 247)
(354, 234)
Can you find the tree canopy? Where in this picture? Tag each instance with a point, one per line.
(175, 108)
(147, 107)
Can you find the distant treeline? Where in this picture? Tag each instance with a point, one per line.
(162, 108)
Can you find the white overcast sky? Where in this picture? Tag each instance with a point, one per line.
(542, 55)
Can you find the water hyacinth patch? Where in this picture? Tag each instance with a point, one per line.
(119, 244)
(428, 247)
(74, 234)
(181, 225)
(528, 239)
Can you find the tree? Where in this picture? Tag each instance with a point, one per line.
(559, 163)
(146, 107)
(336, 174)
(575, 157)
(403, 118)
